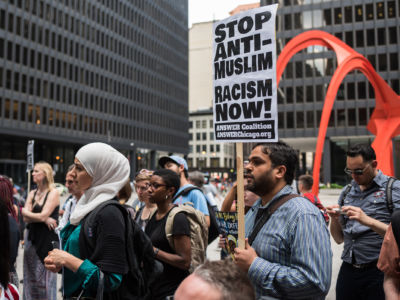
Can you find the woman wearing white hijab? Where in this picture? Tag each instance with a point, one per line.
(100, 171)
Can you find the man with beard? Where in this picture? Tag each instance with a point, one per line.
(290, 256)
(360, 220)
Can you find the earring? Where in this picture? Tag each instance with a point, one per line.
(166, 197)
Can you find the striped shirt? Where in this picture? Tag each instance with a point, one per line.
(295, 257)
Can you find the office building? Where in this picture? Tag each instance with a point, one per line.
(80, 71)
(371, 27)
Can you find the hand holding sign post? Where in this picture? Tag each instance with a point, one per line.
(245, 108)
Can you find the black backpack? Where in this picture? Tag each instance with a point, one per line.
(213, 230)
(143, 267)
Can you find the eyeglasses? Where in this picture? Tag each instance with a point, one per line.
(156, 185)
(142, 188)
(356, 171)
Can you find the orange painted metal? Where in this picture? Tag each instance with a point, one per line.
(384, 122)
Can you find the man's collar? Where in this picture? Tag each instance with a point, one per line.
(287, 189)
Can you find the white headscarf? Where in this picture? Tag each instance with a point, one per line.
(109, 170)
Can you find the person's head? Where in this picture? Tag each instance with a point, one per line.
(5, 247)
(125, 193)
(305, 183)
(270, 164)
(361, 164)
(164, 184)
(43, 174)
(216, 280)
(142, 181)
(175, 163)
(6, 194)
(196, 178)
(100, 172)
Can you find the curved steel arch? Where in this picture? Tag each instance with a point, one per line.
(385, 120)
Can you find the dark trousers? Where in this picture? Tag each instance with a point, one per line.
(359, 284)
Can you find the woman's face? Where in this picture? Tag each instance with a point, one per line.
(142, 190)
(38, 175)
(83, 179)
(157, 189)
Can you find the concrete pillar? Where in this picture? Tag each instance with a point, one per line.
(326, 161)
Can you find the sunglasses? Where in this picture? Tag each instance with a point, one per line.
(356, 171)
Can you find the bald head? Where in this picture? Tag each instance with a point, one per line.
(195, 288)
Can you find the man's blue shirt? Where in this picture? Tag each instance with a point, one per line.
(195, 197)
(295, 257)
(361, 244)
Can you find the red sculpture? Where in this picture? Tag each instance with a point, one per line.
(385, 120)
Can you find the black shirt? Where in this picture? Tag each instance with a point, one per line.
(171, 277)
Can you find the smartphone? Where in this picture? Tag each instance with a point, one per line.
(339, 210)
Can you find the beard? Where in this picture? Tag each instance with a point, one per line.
(261, 185)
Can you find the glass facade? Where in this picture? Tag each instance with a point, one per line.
(112, 70)
(371, 28)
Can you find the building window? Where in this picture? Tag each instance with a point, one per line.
(351, 120)
(361, 89)
(358, 13)
(198, 124)
(362, 117)
(289, 95)
(370, 37)
(309, 93)
(211, 136)
(341, 118)
(369, 9)
(382, 62)
(360, 38)
(198, 149)
(348, 14)
(300, 119)
(338, 15)
(391, 9)
(299, 94)
(328, 16)
(214, 162)
(310, 119)
(204, 136)
(198, 137)
(289, 120)
(393, 35)
(381, 34)
(218, 148)
(204, 124)
(394, 62)
(380, 10)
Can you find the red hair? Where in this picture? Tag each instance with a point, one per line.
(6, 195)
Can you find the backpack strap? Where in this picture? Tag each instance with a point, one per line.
(346, 191)
(170, 223)
(185, 191)
(389, 200)
(268, 213)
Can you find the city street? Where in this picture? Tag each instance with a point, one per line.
(328, 197)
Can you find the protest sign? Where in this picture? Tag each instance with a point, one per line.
(29, 156)
(244, 59)
(29, 161)
(228, 226)
(244, 103)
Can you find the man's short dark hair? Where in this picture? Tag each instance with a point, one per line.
(365, 150)
(307, 181)
(281, 153)
(226, 276)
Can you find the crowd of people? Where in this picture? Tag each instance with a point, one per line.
(287, 253)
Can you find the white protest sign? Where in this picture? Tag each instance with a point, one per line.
(29, 157)
(244, 105)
